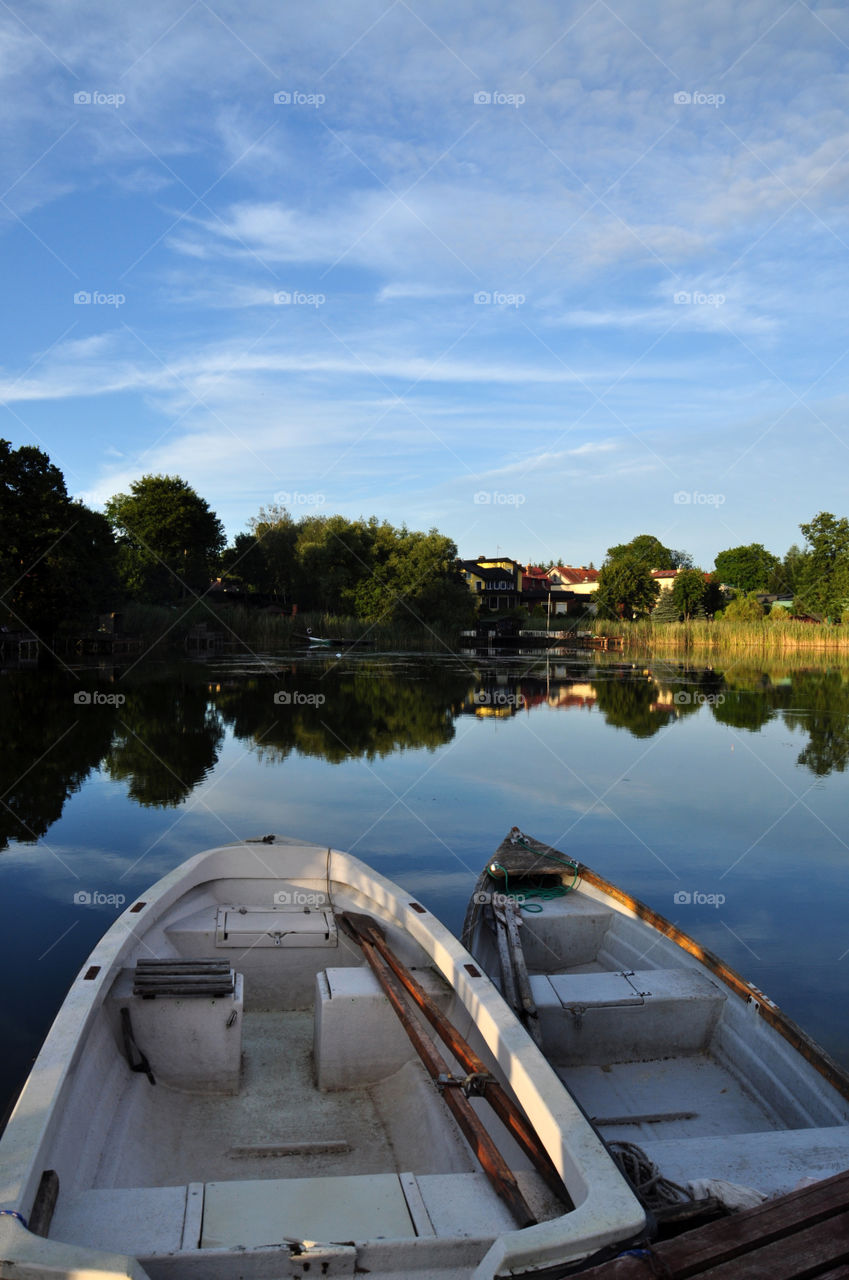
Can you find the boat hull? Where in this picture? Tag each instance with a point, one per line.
(661, 1042)
(290, 1120)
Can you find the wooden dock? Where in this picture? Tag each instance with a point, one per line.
(803, 1234)
(489, 637)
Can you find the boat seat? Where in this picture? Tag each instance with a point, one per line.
(184, 1018)
(571, 931)
(351, 1008)
(173, 978)
(146, 1221)
(625, 1016)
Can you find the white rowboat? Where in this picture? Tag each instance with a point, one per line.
(660, 1042)
(226, 1094)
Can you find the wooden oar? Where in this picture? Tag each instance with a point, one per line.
(491, 1160)
(363, 928)
(512, 954)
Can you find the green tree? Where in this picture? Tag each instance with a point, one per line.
(666, 610)
(784, 579)
(688, 591)
(626, 589)
(414, 577)
(169, 540)
(649, 550)
(744, 608)
(747, 568)
(56, 556)
(823, 579)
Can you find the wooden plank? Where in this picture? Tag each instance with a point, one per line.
(44, 1203)
(508, 978)
(795, 1257)
(773, 1220)
(810, 1227)
(529, 1014)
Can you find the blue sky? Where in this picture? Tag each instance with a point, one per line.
(544, 276)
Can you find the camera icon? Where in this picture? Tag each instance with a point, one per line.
(82, 298)
(82, 98)
(682, 498)
(282, 98)
(282, 898)
(682, 697)
(282, 298)
(282, 698)
(482, 898)
(682, 298)
(681, 99)
(482, 98)
(482, 298)
(82, 698)
(483, 498)
(682, 898)
(82, 898)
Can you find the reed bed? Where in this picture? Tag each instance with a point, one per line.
(776, 637)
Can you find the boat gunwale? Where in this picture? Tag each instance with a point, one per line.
(798, 1039)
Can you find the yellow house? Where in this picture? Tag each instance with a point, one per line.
(495, 584)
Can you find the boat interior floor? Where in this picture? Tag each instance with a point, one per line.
(161, 1137)
(680, 1097)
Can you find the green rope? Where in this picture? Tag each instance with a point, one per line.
(547, 893)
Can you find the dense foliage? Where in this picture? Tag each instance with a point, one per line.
(626, 589)
(168, 539)
(366, 568)
(57, 557)
(748, 568)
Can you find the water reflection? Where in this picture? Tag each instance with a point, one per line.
(160, 731)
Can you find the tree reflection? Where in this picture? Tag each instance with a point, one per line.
(825, 697)
(167, 735)
(363, 714)
(50, 745)
(166, 739)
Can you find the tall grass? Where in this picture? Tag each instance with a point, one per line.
(247, 630)
(767, 636)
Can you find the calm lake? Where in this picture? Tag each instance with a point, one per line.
(717, 795)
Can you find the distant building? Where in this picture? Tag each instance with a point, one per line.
(496, 584)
